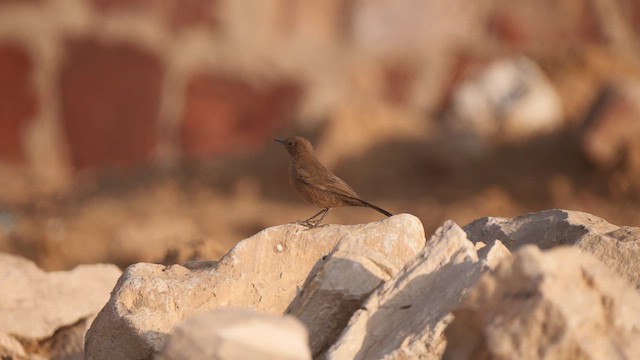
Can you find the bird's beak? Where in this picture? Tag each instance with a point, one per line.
(279, 140)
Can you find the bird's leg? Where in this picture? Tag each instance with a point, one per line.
(326, 211)
(311, 223)
(313, 217)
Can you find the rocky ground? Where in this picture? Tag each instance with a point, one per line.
(554, 284)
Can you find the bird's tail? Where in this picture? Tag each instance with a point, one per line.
(380, 210)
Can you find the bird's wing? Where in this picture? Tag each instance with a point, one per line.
(327, 182)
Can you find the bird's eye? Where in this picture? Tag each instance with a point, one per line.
(290, 143)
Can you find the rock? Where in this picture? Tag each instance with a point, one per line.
(10, 348)
(509, 100)
(356, 267)
(49, 309)
(227, 334)
(610, 133)
(492, 253)
(616, 246)
(35, 304)
(67, 343)
(558, 304)
(264, 272)
(611, 126)
(406, 316)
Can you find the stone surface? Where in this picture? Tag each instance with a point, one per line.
(611, 131)
(228, 334)
(10, 348)
(612, 126)
(406, 316)
(492, 253)
(509, 100)
(227, 115)
(264, 272)
(110, 103)
(67, 343)
(356, 267)
(616, 246)
(35, 304)
(558, 304)
(18, 100)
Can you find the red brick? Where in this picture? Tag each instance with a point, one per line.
(178, 14)
(194, 12)
(631, 10)
(399, 82)
(226, 115)
(18, 101)
(107, 5)
(110, 101)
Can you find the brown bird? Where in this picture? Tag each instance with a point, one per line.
(317, 185)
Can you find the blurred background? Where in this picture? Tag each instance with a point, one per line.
(141, 130)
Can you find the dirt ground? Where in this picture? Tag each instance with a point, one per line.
(199, 211)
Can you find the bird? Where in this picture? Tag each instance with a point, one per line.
(316, 184)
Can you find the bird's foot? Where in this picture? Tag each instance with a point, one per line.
(309, 224)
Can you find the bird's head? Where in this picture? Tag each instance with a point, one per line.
(296, 146)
